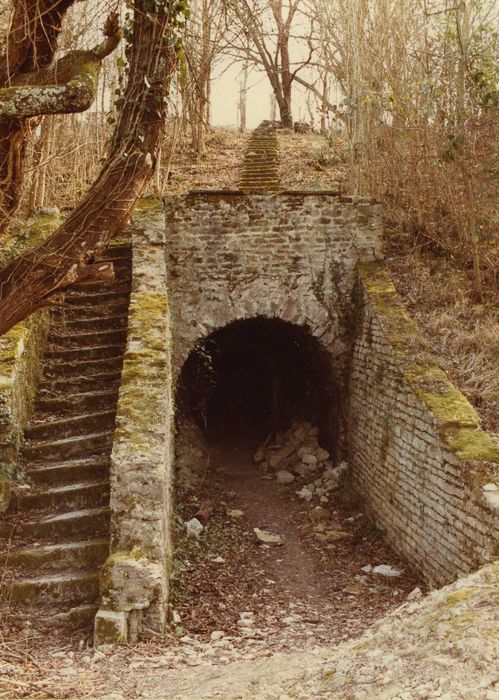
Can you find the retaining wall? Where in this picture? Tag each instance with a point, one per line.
(21, 353)
(424, 468)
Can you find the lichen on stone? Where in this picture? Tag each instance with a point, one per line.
(457, 421)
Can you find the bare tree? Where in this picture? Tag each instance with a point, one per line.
(261, 31)
(203, 42)
(67, 257)
(33, 86)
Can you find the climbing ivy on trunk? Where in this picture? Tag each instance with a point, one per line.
(37, 277)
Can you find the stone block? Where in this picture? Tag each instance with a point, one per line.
(110, 627)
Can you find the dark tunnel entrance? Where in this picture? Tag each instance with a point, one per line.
(253, 378)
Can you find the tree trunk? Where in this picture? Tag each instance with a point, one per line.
(463, 36)
(285, 104)
(31, 86)
(66, 257)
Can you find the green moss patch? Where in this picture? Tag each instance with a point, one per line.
(458, 596)
(458, 422)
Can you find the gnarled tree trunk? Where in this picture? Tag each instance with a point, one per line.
(31, 281)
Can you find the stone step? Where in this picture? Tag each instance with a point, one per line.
(122, 280)
(262, 186)
(259, 183)
(94, 352)
(77, 524)
(259, 172)
(72, 312)
(84, 369)
(73, 555)
(71, 470)
(80, 384)
(90, 494)
(78, 616)
(75, 586)
(116, 321)
(71, 425)
(91, 298)
(94, 338)
(76, 403)
(64, 448)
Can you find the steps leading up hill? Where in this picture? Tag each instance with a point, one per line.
(56, 536)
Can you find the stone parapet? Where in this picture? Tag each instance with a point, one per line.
(134, 580)
(425, 469)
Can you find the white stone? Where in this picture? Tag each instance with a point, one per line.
(309, 460)
(216, 635)
(305, 493)
(284, 477)
(386, 570)
(194, 527)
(245, 623)
(269, 538)
(414, 594)
(490, 487)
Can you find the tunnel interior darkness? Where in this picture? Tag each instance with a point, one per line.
(253, 377)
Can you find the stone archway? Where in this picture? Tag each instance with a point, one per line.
(253, 377)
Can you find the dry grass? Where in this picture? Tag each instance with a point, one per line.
(464, 335)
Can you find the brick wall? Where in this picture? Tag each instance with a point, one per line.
(419, 459)
(291, 256)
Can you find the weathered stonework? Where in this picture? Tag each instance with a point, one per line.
(291, 256)
(134, 580)
(419, 459)
(21, 353)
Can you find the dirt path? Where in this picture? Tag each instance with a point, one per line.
(305, 592)
(269, 507)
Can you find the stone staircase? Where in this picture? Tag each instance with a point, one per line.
(57, 536)
(260, 172)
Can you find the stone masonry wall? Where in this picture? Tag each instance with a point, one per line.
(291, 256)
(424, 468)
(134, 580)
(21, 354)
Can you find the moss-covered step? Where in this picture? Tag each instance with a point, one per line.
(85, 324)
(71, 470)
(85, 368)
(97, 296)
(72, 403)
(76, 311)
(90, 522)
(99, 337)
(71, 555)
(63, 426)
(77, 586)
(74, 446)
(92, 352)
(73, 496)
(60, 385)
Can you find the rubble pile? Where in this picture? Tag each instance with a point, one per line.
(297, 457)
